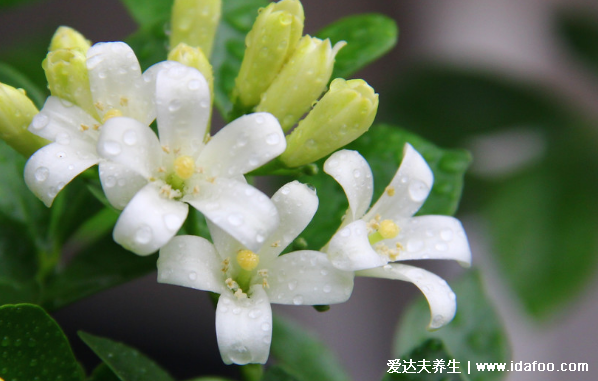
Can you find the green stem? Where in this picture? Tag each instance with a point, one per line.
(252, 372)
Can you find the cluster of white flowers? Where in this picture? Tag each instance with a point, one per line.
(154, 178)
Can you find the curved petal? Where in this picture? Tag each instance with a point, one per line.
(149, 221)
(350, 250)
(243, 145)
(116, 83)
(119, 183)
(191, 261)
(296, 204)
(442, 300)
(150, 75)
(307, 277)
(354, 174)
(407, 191)
(244, 327)
(433, 237)
(52, 167)
(128, 142)
(183, 107)
(226, 245)
(61, 121)
(239, 209)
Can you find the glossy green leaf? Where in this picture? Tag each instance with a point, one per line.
(150, 44)
(103, 373)
(368, 37)
(127, 363)
(149, 12)
(580, 32)
(277, 373)
(475, 334)
(34, 347)
(302, 355)
(418, 365)
(13, 77)
(229, 47)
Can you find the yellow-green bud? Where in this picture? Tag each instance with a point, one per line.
(301, 81)
(195, 58)
(269, 45)
(194, 22)
(68, 38)
(16, 113)
(343, 114)
(68, 78)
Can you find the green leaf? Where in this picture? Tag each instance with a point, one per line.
(475, 334)
(14, 3)
(34, 347)
(149, 12)
(368, 37)
(13, 77)
(103, 373)
(127, 363)
(580, 32)
(229, 47)
(150, 44)
(422, 357)
(277, 373)
(302, 355)
(210, 379)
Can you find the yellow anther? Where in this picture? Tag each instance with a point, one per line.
(111, 114)
(248, 260)
(124, 101)
(184, 167)
(388, 229)
(84, 127)
(390, 191)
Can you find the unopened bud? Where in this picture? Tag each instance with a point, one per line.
(194, 22)
(269, 45)
(195, 58)
(301, 81)
(16, 113)
(68, 78)
(68, 38)
(343, 114)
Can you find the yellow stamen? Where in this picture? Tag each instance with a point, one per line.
(388, 229)
(111, 114)
(390, 191)
(248, 260)
(184, 167)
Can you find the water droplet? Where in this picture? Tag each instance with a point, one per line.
(143, 235)
(61, 155)
(441, 247)
(194, 84)
(122, 182)
(110, 182)
(33, 362)
(60, 185)
(345, 232)
(324, 272)
(418, 191)
(40, 121)
(298, 300)
(172, 221)
(332, 163)
(356, 173)
(414, 245)
(327, 288)
(260, 238)
(266, 327)
(236, 310)
(5, 341)
(254, 314)
(102, 74)
(292, 285)
(204, 104)
(63, 138)
(130, 137)
(174, 105)
(71, 167)
(259, 119)
(192, 275)
(41, 174)
(438, 321)
(446, 234)
(236, 219)
(111, 147)
(273, 139)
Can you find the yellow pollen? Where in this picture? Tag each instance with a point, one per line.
(84, 127)
(124, 101)
(388, 229)
(184, 167)
(99, 106)
(166, 149)
(248, 260)
(111, 114)
(390, 191)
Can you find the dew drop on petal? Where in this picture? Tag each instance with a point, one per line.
(41, 174)
(345, 232)
(192, 275)
(333, 163)
(272, 139)
(40, 121)
(194, 84)
(174, 105)
(356, 173)
(111, 147)
(260, 238)
(418, 191)
(121, 182)
(414, 245)
(441, 247)
(61, 155)
(438, 320)
(172, 221)
(446, 234)
(130, 137)
(266, 327)
(259, 119)
(327, 288)
(110, 182)
(63, 138)
(292, 285)
(143, 235)
(298, 300)
(235, 219)
(204, 104)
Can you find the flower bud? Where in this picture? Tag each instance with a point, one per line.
(343, 114)
(68, 78)
(194, 22)
(301, 81)
(195, 58)
(68, 38)
(269, 44)
(16, 113)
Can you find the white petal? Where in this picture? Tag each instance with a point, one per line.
(244, 327)
(183, 106)
(226, 245)
(149, 221)
(119, 183)
(132, 144)
(52, 167)
(150, 75)
(61, 121)
(433, 237)
(296, 204)
(307, 277)
(350, 250)
(243, 145)
(116, 83)
(191, 261)
(239, 209)
(407, 191)
(353, 173)
(442, 300)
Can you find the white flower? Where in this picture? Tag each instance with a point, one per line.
(117, 88)
(389, 232)
(164, 175)
(249, 281)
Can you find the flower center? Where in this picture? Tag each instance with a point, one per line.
(184, 167)
(248, 262)
(385, 230)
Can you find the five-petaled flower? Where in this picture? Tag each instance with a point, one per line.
(181, 167)
(117, 88)
(249, 281)
(388, 232)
